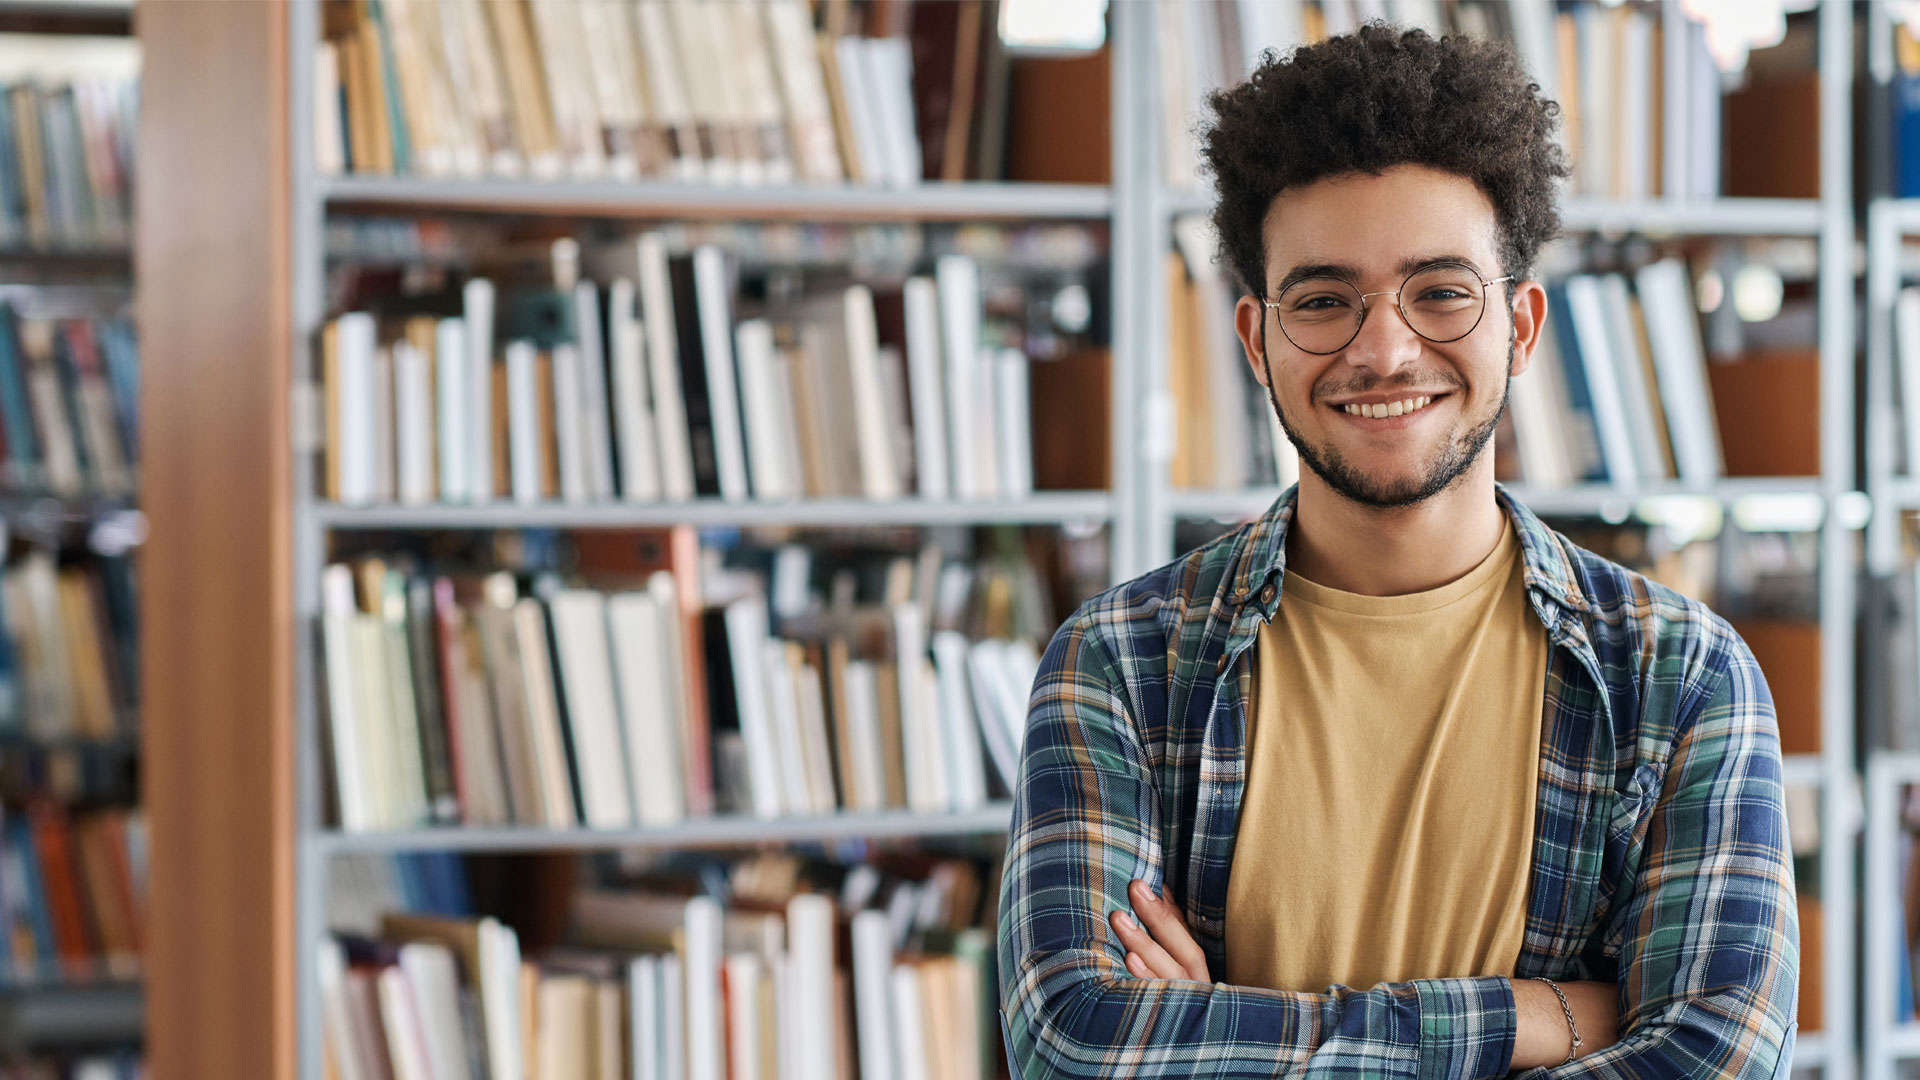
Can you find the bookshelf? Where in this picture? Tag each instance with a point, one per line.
(1827, 503)
(240, 536)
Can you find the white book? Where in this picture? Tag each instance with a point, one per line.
(643, 1018)
(986, 671)
(400, 1019)
(714, 293)
(815, 743)
(450, 399)
(673, 1020)
(1013, 422)
(635, 437)
(596, 438)
(925, 387)
(907, 1008)
(500, 999)
(569, 438)
(386, 782)
(1650, 447)
(663, 364)
(863, 110)
(783, 714)
(1599, 72)
(649, 708)
(957, 278)
(960, 727)
(1679, 358)
(745, 38)
(1637, 67)
(872, 937)
(1589, 316)
(667, 87)
(477, 317)
(746, 622)
(1533, 38)
(523, 421)
(336, 1018)
(919, 724)
(403, 713)
(1270, 24)
(813, 1053)
(985, 436)
(347, 724)
(60, 445)
(434, 976)
(1704, 101)
(705, 1052)
(554, 779)
(354, 442)
(1536, 427)
(743, 1016)
(677, 683)
(768, 433)
(879, 475)
(868, 769)
(413, 422)
(890, 80)
(593, 713)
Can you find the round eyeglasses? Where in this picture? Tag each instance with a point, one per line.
(1441, 302)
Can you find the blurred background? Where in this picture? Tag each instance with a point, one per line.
(528, 524)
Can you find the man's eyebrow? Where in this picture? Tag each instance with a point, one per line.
(1351, 274)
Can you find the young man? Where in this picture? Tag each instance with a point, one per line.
(1396, 781)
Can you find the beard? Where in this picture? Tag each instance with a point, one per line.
(1340, 475)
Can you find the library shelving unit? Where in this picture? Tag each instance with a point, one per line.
(1888, 1043)
(230, 255)
(1827, 502)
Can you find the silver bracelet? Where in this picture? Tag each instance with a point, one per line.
(1568, 1009)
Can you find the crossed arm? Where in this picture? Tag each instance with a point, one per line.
(1705, 931)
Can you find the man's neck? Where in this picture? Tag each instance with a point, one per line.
(1342, 544)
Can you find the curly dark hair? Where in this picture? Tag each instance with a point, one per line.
(1373, 99)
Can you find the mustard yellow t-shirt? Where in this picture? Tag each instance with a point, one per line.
(1386, 830)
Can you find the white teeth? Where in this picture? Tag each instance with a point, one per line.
(1392, 408)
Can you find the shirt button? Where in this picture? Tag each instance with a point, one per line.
(1267, 594)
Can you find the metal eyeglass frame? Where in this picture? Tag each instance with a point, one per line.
(1361, 320)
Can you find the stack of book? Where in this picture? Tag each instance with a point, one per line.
(816, 985)
(664, 383)
(69, 665)
(1607, 65)
(69, 388)
(674, 89)
(70, 889)
(662, 691)
(66, 162)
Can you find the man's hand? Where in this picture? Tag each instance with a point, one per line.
(1162, 949)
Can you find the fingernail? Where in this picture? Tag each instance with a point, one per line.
(1128, 920)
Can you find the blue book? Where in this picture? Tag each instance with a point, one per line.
(1906, 135)
(1902, 948)
(122, 353)
(1574, 379)
(22, 852)
(16, 420)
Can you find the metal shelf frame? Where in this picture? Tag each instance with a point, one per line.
(1044, 508)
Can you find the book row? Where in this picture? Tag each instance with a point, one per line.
(1640, 117)
(720, 93)
(69, 391)
(69, 661)
(665, 384)
(659, 691)
(70, 894)
(66, 161)
(651, 984)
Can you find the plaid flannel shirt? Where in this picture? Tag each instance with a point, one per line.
(1660, 857)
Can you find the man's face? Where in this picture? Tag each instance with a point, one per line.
(1371, 231)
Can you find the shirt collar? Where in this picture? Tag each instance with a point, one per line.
(1263, 558)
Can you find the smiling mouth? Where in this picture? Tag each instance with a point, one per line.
(1387, 410)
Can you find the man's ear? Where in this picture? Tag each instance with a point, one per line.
(1529, 322)
(1247, 314)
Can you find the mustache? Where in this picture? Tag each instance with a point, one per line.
(1417, 380)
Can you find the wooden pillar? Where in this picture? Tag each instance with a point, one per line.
(216, 625)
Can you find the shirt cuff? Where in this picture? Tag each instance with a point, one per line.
(1466, 1027)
